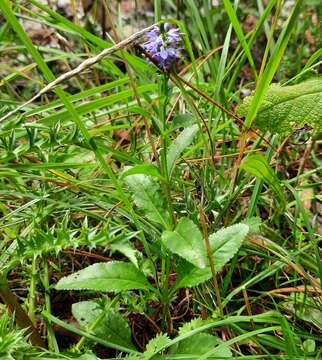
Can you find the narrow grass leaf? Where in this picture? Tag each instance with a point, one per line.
(313, 58)
(97, 104)
(289, 338)
(79, 96)
(239, 32)
(257, 165)
(49, 317)
(272, 65)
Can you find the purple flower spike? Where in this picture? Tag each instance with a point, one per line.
(164, 47)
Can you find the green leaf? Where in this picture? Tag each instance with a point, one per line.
(148, 197)
(186, 241)
(155, 345)
(88, 335)
(146, 169)
(306, 310)
(289, 338)
(257, 165)
(134, 357)
(239, 32)
(309, 346)
(189, 275)
(274, 61)
(96, 104)
(88, 357)
(77, 97)
(254, 223)
(192, 325)
(86, 312)
(315, 56)
(111, 327)
(179, 145)
(113, 276)
(225, 243)
(285, 109)
(126, 248)
(200, 344)
(198, 339)
(182, 121)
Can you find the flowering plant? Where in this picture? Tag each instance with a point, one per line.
(164, 46)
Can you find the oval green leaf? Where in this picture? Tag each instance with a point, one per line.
(112, 276)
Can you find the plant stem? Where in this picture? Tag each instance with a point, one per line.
(195, 109)
(94, 325)
(32, 290)
(21, 317)
(157, 10)
(242, 147)
(89, 336)
(211, 260)
(52, 343)
(164, 97)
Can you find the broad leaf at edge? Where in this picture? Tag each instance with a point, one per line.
(288, 108)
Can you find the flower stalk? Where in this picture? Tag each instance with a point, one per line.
(211, 260)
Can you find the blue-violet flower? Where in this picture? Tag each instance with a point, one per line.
(164, 47)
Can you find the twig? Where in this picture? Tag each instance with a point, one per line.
(300, 288)
(216, 157)
(83, 66)
(280, 148)
(305, 157)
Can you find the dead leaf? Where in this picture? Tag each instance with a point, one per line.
(306, 196)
